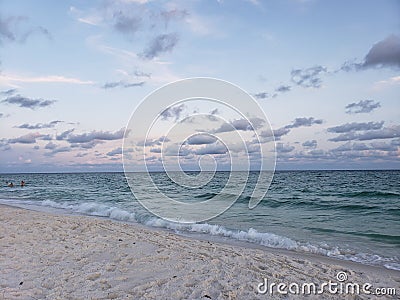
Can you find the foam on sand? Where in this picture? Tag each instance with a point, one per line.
(48, 256)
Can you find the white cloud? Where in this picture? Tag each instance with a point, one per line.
(9, 79)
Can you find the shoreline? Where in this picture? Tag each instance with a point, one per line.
(46, 255)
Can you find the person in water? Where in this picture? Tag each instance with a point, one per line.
(10, 184)
(22, 183)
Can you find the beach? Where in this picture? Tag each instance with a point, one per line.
(56, 256)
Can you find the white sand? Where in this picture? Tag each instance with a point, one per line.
(47, 256)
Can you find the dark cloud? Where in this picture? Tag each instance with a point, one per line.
(282, 148)
(216, 148)
(10, 29)
(8, 92)
(95, 135)
(201, 139)
(354, 146)
(87, 145)
(153, 142)
(241, 124)
(300, 122)
(174, 14)
(141, 74)
(356, 127)
(125, 24)
(39, 125)
(27, 102)
(1, 115)
(283, 88)
(160, 44)
(261, 95)
(36, 30)
(155, 150)
(310, 144)
(384, 133)
(363, 106)
(29, 138)
(58, 149)
(173, 112)
(115, 152)
(50, 146)
(64, 135)
(215, 111)
(4, 145)
(277, 133)
(123, 84)
(385, 53)
(309, 77)
(46, 137)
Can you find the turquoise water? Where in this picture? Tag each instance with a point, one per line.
(351, 215)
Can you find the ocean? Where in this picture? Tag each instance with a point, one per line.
(349, 215)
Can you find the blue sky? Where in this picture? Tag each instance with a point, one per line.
(326, 73)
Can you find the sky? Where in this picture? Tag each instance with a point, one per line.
(325, 73)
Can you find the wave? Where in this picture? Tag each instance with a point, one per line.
(369, 194)
(251, 235)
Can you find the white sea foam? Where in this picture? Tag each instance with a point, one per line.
(251, 235)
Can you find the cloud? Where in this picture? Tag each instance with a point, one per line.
(363, 106)
(87, 145)
(384, 133)
(27, 102)
(310, 144)
(56, 149)
(241, 124)
(356, 127)
(201, 139)
(211, 149)
(155, 150)
(354, 146)
(309, 77)
(4, 145)
(385, 53)
(153, 142)
(283, 88)
(126, 24)
(115, 152)
(9, 29)
(173, 112)
(8, 79)
(114, 84)
(174, 14)
(300, 122)
(39, 125)
(282, 148)
(160, 44)
(278, 133)
(29, 138)
(8, 92)
(261, 95)
(50, 146)
(141, 74)
(95, 135)
(64, 134)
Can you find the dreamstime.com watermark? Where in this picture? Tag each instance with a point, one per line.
(202, 124)
(339, 287)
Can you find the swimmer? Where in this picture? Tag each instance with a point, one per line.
(22, 183)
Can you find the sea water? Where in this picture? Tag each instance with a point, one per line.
(350, 215)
